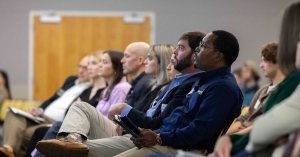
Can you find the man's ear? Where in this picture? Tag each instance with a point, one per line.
(141, 60)
(193, 57)
(219, 56)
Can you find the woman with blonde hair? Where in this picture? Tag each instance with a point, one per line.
(156, 65)
(92, 94)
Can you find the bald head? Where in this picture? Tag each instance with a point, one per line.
(134, 57)
(83, 75)
(139, 48)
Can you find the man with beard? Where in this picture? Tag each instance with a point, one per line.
(170, 98)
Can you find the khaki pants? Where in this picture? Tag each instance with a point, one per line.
(17, 131)
(103, 139)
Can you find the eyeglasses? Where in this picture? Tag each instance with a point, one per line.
(83, 67)
(202, 47)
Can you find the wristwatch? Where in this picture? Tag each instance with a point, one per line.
(158, 140)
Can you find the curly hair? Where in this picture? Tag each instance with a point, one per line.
(269, 52)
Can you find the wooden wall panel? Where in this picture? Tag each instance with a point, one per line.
(58, 47)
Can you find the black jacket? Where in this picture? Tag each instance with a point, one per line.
(157, 92)
(140, 87)
(173, 100)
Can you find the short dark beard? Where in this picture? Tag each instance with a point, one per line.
(184, 63)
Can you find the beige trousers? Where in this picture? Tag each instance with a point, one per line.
(103, 140)
(17, 131)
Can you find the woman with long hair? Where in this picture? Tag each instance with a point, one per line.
(156, 65)
(92, 94)
(111, 70)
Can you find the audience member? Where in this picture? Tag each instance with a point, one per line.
(250, 78)
(92, 94)
(271, 70)
(286, 60)
(17, 130)
(111, 70)
(175, 93)
(4, 87)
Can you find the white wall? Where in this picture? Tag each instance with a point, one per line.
(254, 22)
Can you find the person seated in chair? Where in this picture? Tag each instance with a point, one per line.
(272, 72)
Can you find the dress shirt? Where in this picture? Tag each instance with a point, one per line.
(56, 110)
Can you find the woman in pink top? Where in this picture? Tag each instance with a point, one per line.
(110, 68)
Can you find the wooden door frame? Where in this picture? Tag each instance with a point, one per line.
(34, 13)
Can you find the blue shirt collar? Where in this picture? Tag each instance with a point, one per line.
(215, 73)
(181, 77)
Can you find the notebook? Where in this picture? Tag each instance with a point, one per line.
(128, 125)
(26, 115)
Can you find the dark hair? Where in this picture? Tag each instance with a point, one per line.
(115, 57)
(227, 44)
(289, 37)
(269, 52)
(6, 84)
(193, 38)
